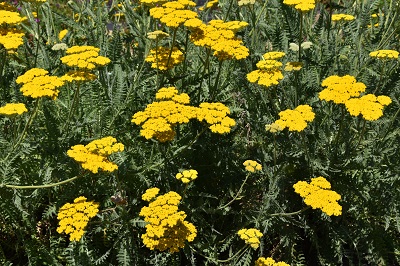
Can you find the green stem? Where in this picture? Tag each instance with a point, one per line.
(41, 186)
(361, 133)
(74, 103)
(214, 92)
(237, 194)
(228, 11)
(259, 16)
(28, 124)
(290, 213)
(303, 136)
(274, 150)
(300, 35)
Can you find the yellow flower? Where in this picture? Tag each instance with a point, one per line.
(73, 218)
(37, 84)
(187, 175)
(301, 5)
(252, 166)
(78, 76)
(13, 109)
(273, 128)
(157, 35)
(385, 54)
(84, 57)
(273, 55)
(269, 262)
(293, 66)
(251, 237)
(340, 89)
(246, 2)
(166, 228)
(62, 34)
(369, 106)
(342, 17)
(318, 195)
(296, 120)
(161, 58)
(94, 155)
(150, 194)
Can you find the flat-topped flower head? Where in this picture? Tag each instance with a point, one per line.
(157, 35)
(251, 237)
(187, 176)
(167, 228)
(296, 120)
(301, 5)
(252, 166)
(162, 59)
(78, 76)
(150, 194)
(273, 55)
(273, 128)
(342, 17)
(84, 57)
(94, 156)
(340, 89)
(10, 18)
(269, 262)
(385, 54)
(13, 109)
(369, 106)
(293, 66)
(37, 84)
(318, 195)
(74, 217)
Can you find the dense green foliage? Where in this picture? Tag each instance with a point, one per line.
(359, 158)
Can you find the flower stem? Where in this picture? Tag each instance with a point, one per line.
(41, 186)
(28, 124)
(237, 194)
(290, 213)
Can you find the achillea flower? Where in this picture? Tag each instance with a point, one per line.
(36, 84)
(220, 37)
(369, 106)
(166, 228)
(212, 3)
(13, 109)
(264, 77)
(159, 58)
(296, 120)
(385, 54)
(10, 18)
(340, 89)
(187, 176)
(306, 45)
(251, 236)
(78, 76)
(62, 34)
(59, 46)
(301, 5)
(269, 262)
(11, 39)
(318, 195)
(150, 194)
(246, 2)
(157, 35)
(273, 55)
(94, 156)
(84, 57)
(269, 64)
(159, 119)
(74, 217)
(293, 66)
(174, 13)
(252, 166)
(273, 128)
(342, 17)
(215, 114)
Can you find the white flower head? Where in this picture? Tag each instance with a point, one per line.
(294, 47)
(306, 45)
(59, 46)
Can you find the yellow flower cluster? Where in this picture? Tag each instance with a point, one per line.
(301, 5)
(159, 119)
(157, 35)
(273, 128)
(342, 17)
(174, 13)
(293, 66)
(78, 75)
(269, 262)
(166, 228)
(84, 57)
(74, 217)
(385, 54)
(215, 114)
(220, 37)
(296, 120)
(161, 58)
(62, 34)
(250, 236)
(369, 106)
(318, 195)
(94, 155)
(36, 84)
(187, 175)
(13, 109)
(252, 166)
(268, 72)
(150, 194)
(212, 3)
(10, 37)
(246, 2)
(340, 89)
